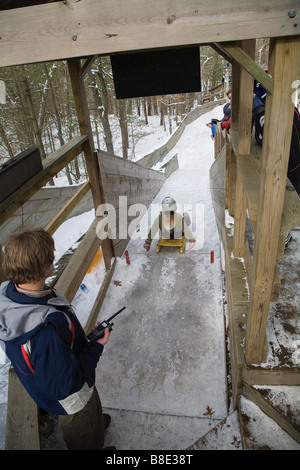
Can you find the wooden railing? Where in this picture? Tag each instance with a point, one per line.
(235, 181)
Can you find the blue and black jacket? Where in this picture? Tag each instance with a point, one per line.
(48, 349)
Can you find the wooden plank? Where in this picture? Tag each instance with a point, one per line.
(51, 166)
(111, 164)
(272, 376)
(244, 123)
(90, 156)
(92, 320)
(240, 213)
(67, 209)
(71, 278)
(249, 166)
(22, 429)
(248, 63)
(86, 67)
(270, 410)
(217, 181)
(275, 154)
(85, 128)
(79, 29)
(245, 101)
(219, 165)
(235, 104)
(232, 172)
(237, 296)
(248, 169)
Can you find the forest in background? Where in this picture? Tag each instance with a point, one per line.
(40, 111)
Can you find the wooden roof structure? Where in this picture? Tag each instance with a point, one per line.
(63, 29)
(79, 30)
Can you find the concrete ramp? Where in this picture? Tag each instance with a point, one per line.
(162, 376)
(163, 373)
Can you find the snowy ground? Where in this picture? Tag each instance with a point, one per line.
(202, 407)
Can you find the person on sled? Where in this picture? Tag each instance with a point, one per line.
(171, 224)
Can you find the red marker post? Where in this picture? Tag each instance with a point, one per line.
(127, 257)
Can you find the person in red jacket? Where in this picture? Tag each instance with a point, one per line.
(226, 124)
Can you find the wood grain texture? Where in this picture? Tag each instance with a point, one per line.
(79, 29)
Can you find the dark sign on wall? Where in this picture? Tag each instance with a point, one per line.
(158, 72)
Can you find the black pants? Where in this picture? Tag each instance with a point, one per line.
(294, 177)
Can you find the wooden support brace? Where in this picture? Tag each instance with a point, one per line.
(67, 209)
(51, 166)
(248, 63)
(71, 278)
(284, 63)
(76, 75)
(244, 122)
(22, 429)
(88, 64)
(239, 218)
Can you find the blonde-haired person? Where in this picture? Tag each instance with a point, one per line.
(46, 343)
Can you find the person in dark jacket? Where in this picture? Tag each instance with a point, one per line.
(226, 120)
(294, 160)
(227, 107)
(46, 343)
(258, 118)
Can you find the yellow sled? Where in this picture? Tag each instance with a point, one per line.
(178, 243)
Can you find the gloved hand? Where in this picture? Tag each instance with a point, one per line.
(147, 245)
(192, 243)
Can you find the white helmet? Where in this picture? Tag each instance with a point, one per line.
(169, 204)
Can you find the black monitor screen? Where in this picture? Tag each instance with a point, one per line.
(157, 72)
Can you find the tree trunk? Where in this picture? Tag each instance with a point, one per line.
(36, 129)
(104, 104)
(124, 128)
(57, 120)
(6, 141)
(145, 110)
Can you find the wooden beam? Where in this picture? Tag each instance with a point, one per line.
(275, 376)
(271, 410)
(243, 146)
(83, 28)
(235, 102)
(220, 50)
(67, 209)
(90, 156)
(284, 63)
(51, 166)
(22, 423)
(240, 213)
(86, 67)
(92, 320)
(248, 63)
(71, 277)
(245, 101)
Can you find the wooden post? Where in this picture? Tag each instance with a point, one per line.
(245, 102)
(76, 75)
(235, 95)
(231, 181)
(22, 422)
(239, 218)
(283, 67)
(244, 120)
(85, 127)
